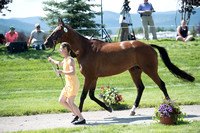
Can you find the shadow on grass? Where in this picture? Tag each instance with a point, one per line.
(184, 122)
(120, 107)
(30, 54)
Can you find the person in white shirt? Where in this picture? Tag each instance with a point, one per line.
(37, 38)
(125, 21)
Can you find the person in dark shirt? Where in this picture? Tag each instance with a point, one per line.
(2, 39)
(182, 33)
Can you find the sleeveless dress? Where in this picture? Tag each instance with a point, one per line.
(184, 32)
(72, 83)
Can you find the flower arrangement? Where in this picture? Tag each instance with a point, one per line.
(110, 96)
(168, 113)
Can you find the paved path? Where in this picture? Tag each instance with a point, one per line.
(51, 121)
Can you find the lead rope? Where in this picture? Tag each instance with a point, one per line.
(59, 75)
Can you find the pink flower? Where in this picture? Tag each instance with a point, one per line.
(108, 86)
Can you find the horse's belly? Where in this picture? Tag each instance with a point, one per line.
(110, 69)
(116, 63)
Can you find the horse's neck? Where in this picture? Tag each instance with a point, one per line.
(78, 42)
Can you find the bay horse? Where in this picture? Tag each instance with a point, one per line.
(101, 59)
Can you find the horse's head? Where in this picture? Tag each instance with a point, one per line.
(56, 36)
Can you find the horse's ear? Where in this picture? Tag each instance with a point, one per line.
(60, 22)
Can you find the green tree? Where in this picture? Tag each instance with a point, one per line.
(139, 30)
(160, 29)
(75, 13)
(193, 31)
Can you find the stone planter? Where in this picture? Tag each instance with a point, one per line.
(168, 120)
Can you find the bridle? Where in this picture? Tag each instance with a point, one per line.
(54, 40)
(54, 46)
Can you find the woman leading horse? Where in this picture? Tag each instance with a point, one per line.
(100, 59)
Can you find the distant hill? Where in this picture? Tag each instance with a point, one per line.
(33, 21)
(22, 24)
(111, 20)
(19, 25)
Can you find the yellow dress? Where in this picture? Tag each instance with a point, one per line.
(72, 83)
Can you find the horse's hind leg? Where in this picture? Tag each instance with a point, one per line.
(151, 71)
(136, 76)
(92, 96)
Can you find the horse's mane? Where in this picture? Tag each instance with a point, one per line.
(96, 44)
(71, 29)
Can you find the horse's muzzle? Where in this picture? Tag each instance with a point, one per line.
(48, 44)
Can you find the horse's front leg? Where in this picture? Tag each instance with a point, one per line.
(86, 87)
(82, 98)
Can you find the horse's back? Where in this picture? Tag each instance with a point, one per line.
(125, 46)
(114, 58)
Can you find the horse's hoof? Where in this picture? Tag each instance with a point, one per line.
(132, 113)
(109, 109)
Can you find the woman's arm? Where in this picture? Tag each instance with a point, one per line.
(55, 62)
(16, 36)
(71, 67)
(7, 40)
(178, 31)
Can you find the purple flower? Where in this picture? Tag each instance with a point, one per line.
(100, 95)
(170, 109)
(165, 112)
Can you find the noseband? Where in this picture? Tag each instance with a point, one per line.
(54, 47)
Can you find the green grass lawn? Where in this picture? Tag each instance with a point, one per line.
(29, 86)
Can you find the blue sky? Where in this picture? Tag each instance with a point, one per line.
(30, 8)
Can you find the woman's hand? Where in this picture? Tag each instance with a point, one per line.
(50, 59)
(59, 71)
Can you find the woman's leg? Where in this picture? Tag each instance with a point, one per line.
(62, 101)
(74, 107)
(179, 38)
(189, 38)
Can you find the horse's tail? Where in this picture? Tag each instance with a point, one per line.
(173, 69)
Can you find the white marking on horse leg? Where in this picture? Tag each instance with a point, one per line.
(122, 45)
(133, 110)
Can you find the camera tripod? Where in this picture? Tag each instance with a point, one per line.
(107, 36)
(104, 35)
(103, 30)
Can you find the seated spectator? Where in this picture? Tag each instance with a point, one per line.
(37, 38)
(182, 33)
(2, 39)
(11, 36)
